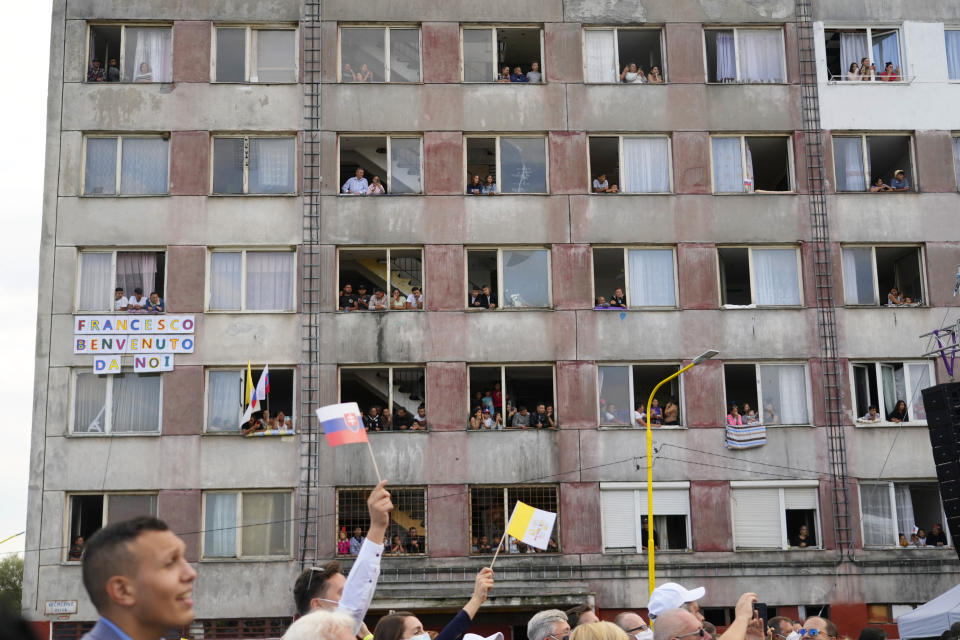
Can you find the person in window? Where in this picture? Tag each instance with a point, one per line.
(487, 401)
(734, 419)
(484, 545)
(396, 547)
(357, 185)
(539, 419)
(504, 75)
(749, 415)
(120, 301)
(113, 70)
(402, 419)
(415, 299)
(364, 75)
(871, 415)
(671, 413)
(865, 70)
(386, 420)
(922, 536)
(903, 542)
(476, 420)
(618, 299)
(256, 424)
(378, 301)
(490, 186)
(371, 421)
(363, 298)
(511, 411)
(376, 187)
(356, 541)
(143, 73)
(95, 72)
(770, 413)
(283, 422)
(915, 541)
(899, 182)
(420, 420)
(899, 413)
(521, 419)
(802, 539)
(155, 303)
(137, 303)
(894, 298)
(348, 75)
(343, 545)
(601, 303)
(630, 74)
(889, 73)
(610, 415)
(600, 185)
(879, 185)
(936, 537)
(414, 541)
(518, 75)
(76, 549)
(476, 299)
(645, 536)
(490, 297)
(853, 73)
(654, 76)
(656, 413)
(397, 301)
(475, 188)
(551, 419)
(348, 299)
(534, 74)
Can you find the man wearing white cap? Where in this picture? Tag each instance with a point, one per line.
(671, 595)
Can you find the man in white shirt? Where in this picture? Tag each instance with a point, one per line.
(120, 302)
(378, 301)
(534, 74)
(356, 185)
(137, 302)
(415, 300)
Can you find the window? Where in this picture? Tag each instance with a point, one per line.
(251, 280)
(390, 398)
(848, 47)
(952, 41)
(247, 54)
(121, 403)
(781, 387)
(395, 272)
(745, 55)
(631, 164)
(759, 277)
(487, 50)
(91, 512)
(891, 509)
(226, 401)
(121, 53)
(887, 613)
(247, 524)
(245, 164)
(624, 391)
(394, 162)
(125, 165)
(624, 510)
(862, 160)
(646, 277)
(610, 53)
(363, 54)
(774, 517)
(407, 531)
(490, 509)
(884, 384)
(527, 388)
(956, 160)
(751, 164)
(521, 275)
(870, 274)
(518, 164)
(103, 272)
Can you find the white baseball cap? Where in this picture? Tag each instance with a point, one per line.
(670, 595)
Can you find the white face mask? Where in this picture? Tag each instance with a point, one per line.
(422, 636)
(644, 635)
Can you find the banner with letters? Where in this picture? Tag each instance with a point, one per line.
(151, 340)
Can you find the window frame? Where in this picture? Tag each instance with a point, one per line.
(753, 295)
(108, 407)
(955, 142)
(493, 60)
(620, 137)
(791, 165)
(757, 377)
(865, 157)
(868, 31)
(113, 267)
(784, 534)
(616, 55)
(422, 489)
(240, 370)
(247, 137)
(387, 28)
(389, 141)
(499, 291)
(496, 137)
(294, 278)
(251, 44)
(555, 534)
(881, 404)
(503, 386)
(239, 526)
(105, 514)
(390, 369)
(736, 52)
(388, 249)
(633, 399)
(947, 27)
(626, 274)
(123, 49)
(118, 167)
(639, 491)
(891, 485)
(878, 301)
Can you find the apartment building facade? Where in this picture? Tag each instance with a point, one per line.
(214, 175)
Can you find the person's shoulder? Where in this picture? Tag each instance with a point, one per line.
(102, 631)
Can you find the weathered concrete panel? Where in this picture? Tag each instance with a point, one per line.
(446, 396)
(191, 50)
(75, 59)
(380, 337)
(70, 182)
(444, 277)
(684, 52)
(186, 267)
(181, 511)
(942, 258)
(493, 220)
(867, 459)
(442, 153)
(183, 392)
(713, 525)
(441, 51)
(893, 217)
(576, 404)
(572, 282)
(865, 11)
(190, 163)
(704, 395)
(329, 52)
(884, 332)
(446, 515)
(697, 270)
(568, 162)
(66, 266)
(691, 162)
(246, 10)
(640, 11)
(934, 162)
(579, 515)
(505, 11)
(563, 49)
(392, 220)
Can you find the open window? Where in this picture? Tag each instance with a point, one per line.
(406, 533)
(884, 384)
(774, 393)
(254, 165)
(518, 164)
(515, 278)
(226, 401)
(126, 165)
(390, 398)
(891, 276)
(624, 513)
(624, 55)
(255, 55)
(645, 277)
(121, 53)
(392, 162)
(512, 396)
(775, 517)
(752, 164)
(625, 389)
(91, 512)
(891, 509)
(759, 277)
(247, 524)
(103, 272)
(630, 164)
(127, 403)
(364, 54)
(745, 55)
(251, 280)
(397, 273)
(487, 50)
(490, 509)
(861, 161)
(849, 50)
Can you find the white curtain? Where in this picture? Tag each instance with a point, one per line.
(748, 182)
(858, 275)
(601, 55)
(225, 281)
(271, 165)
(136, 403)
(646, 165)
(792, 388)
(726, 57)
(877, 516)
(727, 166)
(150, 47)
(853, 48)
(919, 379)
(775, 277)
(651, 278)
(614, 387)
(761, 55)
(886, 48)
(100, 170)
(266, 524)
(848, 159)
(270, 280)
(220, 532)
(953, 55)
(905, 518)
(89, 403)
(96, 279)
(223, 400)
(275, 55)
(143, 169)
(136, 269)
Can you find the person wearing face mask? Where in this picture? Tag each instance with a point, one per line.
(403, 625)
(634, 625)
(581, 614)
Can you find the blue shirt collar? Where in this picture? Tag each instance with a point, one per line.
(117, 630)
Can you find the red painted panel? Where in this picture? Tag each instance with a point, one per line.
(446, 396)
(705, 405)
(825, 496)
(444, 277)
(935, 170)
(691, 162)
(181, 511)
(571, 276)
(576, 395)
(807, 278)
(447, 520)
(563, 50)
(816, 390)
(329, 43)
(800, 164)
(451, 447)
(684, 59)
(189, 163)
(441, 52)
(40, 628)
(942, 260)
(697, 270)
(568, 162)
(711, 520)
(191, 51)
(442, 154)
(186, 266)
(182, 401)
(579, 515)
(850, 617)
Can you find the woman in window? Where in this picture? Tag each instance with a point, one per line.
(343, 544)
(376, 187)
(365, 74)
(631, 75)
(656, 413)
(802, 539)
(504, 75)
(733, 418)
(144, 75)
(671, 413)
(853, 73)
(397, 301)
(476, 420)
(490, 185)
(770, 413)
(654, 76)
(899, 413)
(475, 188)
(283, 422)
(749, 415)
(894, 298)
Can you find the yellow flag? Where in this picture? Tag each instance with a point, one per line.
(249, 387)
(530, 525)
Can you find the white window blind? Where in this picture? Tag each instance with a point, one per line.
(667, 502)
(619, 519)
(800, 498)
(756, 518)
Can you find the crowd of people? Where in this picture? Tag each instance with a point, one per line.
(898, 415)
(634, 74)
(897, 299)
(666, 415)
(377, 418)
(866, 71)
(517, 75)
(137, 303)
(919, 538)
(744, 415)
(263, 421)
(409, 543)
(489, 412)
(361, 300)
(97, 73)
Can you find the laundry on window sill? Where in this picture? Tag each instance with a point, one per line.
(746, 437)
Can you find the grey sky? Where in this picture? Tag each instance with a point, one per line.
(25, 47)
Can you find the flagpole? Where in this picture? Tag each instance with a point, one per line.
(372, 457)
(499, 546)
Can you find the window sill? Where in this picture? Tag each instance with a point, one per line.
(768, 549)
(642, 427)
(248, 83)
(741, 83)
(409, 84)
(866, 192)
(379, 195)
(633, 551)
(753, 307)
(887, 306)
(644, 309)
(886, 424)
(756, 192)
(496, 430)
(626, 84)
(124, 195)
(126, 83)
(381, 311)
(627, 193)
(247, 560)
(145, 434)
(253, 195)
(111, 312)
(403, 431)
(496, 82)
(508, 309)
(250, 311)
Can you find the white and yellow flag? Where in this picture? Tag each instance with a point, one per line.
(530, 525)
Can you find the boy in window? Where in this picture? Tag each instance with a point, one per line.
(155, 304)
(534, 74)
(120, 302)
(415, 300)
(137, 303)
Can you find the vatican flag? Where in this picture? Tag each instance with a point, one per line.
(532, 526)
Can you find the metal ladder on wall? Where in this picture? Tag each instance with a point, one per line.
(823, 279)
(309, 437)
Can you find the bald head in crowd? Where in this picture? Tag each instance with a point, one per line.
(674, 623)
(822, 625)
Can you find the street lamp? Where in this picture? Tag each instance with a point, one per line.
(703, 357)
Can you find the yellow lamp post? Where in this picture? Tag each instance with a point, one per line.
(703, 357)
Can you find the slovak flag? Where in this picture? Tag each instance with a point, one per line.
(342, 423)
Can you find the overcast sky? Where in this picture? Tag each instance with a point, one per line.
(25, 46)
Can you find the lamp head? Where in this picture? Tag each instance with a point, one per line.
(706, 355)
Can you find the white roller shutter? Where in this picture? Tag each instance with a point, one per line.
(800, 498)
(667, 502)
(756, 518)
(619, 519)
